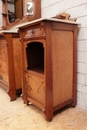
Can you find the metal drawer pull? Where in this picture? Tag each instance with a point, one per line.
(32, 32)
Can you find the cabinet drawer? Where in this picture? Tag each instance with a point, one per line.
(3, 52)
(35, 87)
(35, 32)
(3, 67)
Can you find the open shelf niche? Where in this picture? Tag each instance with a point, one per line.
(35, 57)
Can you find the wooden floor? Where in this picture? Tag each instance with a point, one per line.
(18, 116)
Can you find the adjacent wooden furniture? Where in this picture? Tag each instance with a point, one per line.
(10, 59)
(16, 9)
(49, 64)
(10, 47)
(10, 64)
(20, 10)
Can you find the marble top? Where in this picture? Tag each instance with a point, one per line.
(14, 29)
(48, 19)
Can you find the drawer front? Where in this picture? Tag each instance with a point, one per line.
(3, 52)
(35, 87)
(3, 67)
(34, 32)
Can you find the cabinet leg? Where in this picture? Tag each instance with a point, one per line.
(73, 104)
(28, 103)
(48, 115)
(49, 118)
(24, 97)
(12, 95)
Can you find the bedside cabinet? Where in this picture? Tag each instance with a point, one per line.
(49, 55)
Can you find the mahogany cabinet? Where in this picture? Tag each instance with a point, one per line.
(49, 55)
(10, 64)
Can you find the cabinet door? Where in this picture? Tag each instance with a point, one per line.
(35, 87)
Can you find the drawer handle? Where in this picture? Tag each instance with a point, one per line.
(26, 85)
(32, 32)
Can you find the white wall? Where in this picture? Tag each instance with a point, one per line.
(77, 9)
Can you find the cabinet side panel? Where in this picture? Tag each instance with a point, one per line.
(4, 79)
(17, 61)
(3, 52)
(4, 72)
(62, 56)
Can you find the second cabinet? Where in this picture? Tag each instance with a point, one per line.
(10, 64)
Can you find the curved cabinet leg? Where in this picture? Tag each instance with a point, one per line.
(12, 95)
(48, 115)
(73, 104)
(27, 103)
(24, 97)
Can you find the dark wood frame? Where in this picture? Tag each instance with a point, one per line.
(37, 12)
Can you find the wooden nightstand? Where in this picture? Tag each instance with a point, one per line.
(49, 55)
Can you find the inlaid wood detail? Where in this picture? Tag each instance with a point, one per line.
(36, 87)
